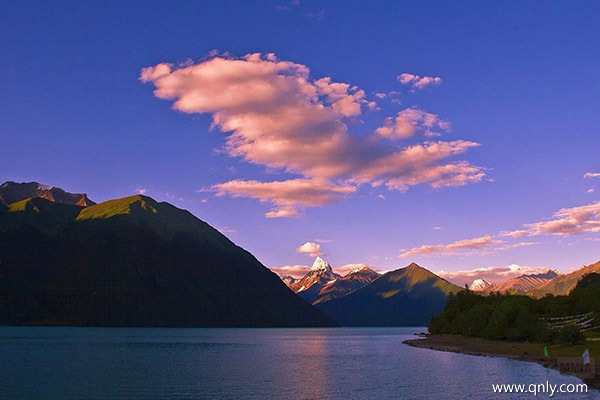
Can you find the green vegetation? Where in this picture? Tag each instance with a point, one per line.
(518, 318)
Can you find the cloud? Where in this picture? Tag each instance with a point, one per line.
(288, 195)
(297, 271)
(411, 121)
(479, 243)
(310, 248)
(290, 5)
(141, 190)
(490, 274)
(275, 115)
(592, 175)
(419, 82)
(565, 222)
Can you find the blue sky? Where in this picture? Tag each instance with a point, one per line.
(515, 107)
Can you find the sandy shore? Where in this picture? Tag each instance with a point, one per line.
(532, 352)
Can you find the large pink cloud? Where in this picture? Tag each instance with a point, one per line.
(276, 116)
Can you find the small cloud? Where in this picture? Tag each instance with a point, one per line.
(419, 82)
(290, 5)
(317, 15)
(479, 243)
(591, 190)
(141, 190)
(411, 121)
(437, 228)
(381, 197)
(592, 175)
(310, 248)
(284, 212)
(226, 229)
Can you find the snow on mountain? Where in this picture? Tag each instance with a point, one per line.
(320, 274)
(480, 285)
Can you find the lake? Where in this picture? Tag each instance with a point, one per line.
(334, 363)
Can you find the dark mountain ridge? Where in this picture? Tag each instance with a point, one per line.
(12, 192)
(133, 262)
(408, 296)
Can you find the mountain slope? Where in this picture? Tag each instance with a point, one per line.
(12, 192)
(341, 287)
(134, 262)
(406, 297)
(523, 283)
(317, 278)
(563, 284)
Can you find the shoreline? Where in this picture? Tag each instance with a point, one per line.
(493, 348)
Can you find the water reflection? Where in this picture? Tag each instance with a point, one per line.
(348, 363)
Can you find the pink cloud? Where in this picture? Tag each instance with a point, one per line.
(479, 243)
(592, 175)
(565, 222)
(310, 248)
(297, 271)
(411, 121)
(419, 82)
(276, 116)
(288, 195)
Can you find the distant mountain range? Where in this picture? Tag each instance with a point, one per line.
(519, 285)
(564, 284)
(537, 285)
(407, 296)
(65, 260)
(12, 192)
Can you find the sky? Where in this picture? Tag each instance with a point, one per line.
(458, 135)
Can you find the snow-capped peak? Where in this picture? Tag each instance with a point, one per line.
(480, 285)
(320, 265)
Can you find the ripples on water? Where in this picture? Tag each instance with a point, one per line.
(342, 363)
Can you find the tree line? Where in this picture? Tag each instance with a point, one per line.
(518, 317)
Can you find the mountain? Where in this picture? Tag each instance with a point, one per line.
(12, 192)
(133, 262)
(563, 284)
(480, 285)
(405, 297)
(523, 283)
(354, 280)
(288, 280)
(317, 278)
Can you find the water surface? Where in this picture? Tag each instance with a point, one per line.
(334, 363)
